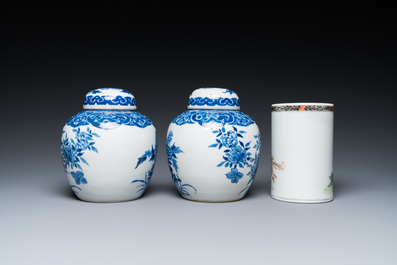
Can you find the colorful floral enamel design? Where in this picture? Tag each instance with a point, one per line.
(329, 189)
(276, 166)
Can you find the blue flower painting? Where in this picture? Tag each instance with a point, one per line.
(79, 177)
(72, 152)
(149, 155)
(172, 151)
(237, 153)
(254, 165)
(234, 175)
(144, 182)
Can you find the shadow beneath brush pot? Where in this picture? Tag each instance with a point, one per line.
(343, 187)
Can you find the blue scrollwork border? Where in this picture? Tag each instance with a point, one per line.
(200, 101)
(230, 117)
(108, 120)
(103, 100)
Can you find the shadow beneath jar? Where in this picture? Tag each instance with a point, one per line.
(162, 188)
(154, 188)
(260, 187)
(66, 191)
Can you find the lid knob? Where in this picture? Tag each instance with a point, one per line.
(109, 98)
(213, 98)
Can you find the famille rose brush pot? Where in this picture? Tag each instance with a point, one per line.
(109, 150)
(302, 152)
(213, 149)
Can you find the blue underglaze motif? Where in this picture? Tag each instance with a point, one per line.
(200, 101)
(231, 92)
(254, 165)
(97, 91)
(172, 151)
(109, 119)
(237, 154)
(230, 117)
(72, 151)
(105, 100)
(149, 155)
(144, 182)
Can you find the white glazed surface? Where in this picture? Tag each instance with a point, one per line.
(111, 171)
(303, 140)
(198, 163)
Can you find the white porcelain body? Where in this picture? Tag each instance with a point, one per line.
(111, 144)
(195, 154)
(302, 152)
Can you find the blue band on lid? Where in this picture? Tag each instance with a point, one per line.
(214, 98)
(109, 98)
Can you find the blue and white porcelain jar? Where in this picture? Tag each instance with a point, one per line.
(213, 149)
(109, 150)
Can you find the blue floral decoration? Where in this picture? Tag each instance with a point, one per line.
(234, 175)
(79, 177)
(72, 151)
(254, 165)
(172, 151)
(237, 153)
(109, 119)
(145, 182)
(149, 155)
(220, 116)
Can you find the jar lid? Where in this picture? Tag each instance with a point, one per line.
(109, 98)
(213, 98)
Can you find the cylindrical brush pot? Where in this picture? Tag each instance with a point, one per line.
(302, 152)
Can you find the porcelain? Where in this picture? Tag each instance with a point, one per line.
(109, 150)
(213, 149)
(302, 152)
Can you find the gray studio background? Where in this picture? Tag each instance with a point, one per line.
(48, 64)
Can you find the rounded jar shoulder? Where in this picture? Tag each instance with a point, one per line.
(225, 117)
(109, 119)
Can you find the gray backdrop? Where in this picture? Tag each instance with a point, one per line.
(49, 61)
